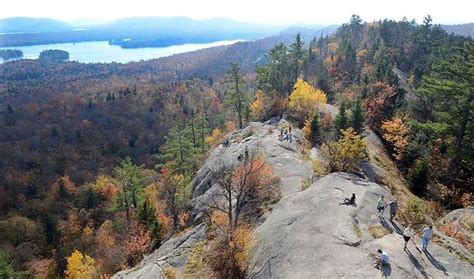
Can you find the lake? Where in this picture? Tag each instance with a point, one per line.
(102, 52)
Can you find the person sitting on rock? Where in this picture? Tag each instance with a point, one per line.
(285, 136)
(407, 234)
(350, 201)
(381, 206)
(382, 259)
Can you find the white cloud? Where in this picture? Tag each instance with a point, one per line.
(261, 11)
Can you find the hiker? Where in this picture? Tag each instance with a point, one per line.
(393, 208)
(246, 153)
(285, 136)
(289, 131)
(407, 234)
(226, 143)
(381, 206)
(281, 134)
(427, 235)
(350, 201)
(382, 259)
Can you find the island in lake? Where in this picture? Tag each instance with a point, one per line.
(10, 54)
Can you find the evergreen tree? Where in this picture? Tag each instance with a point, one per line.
(132, 181)
(297, 56)
(179, 150)
(419, 177)
(10, 109)
(357, 119)
(315, 129)
(382, 62)
(236, 96)
(450, 90)
(276, 75)
(341, 122)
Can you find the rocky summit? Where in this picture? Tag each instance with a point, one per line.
(308, 234)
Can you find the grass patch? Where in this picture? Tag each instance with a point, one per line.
(170, 273)
(305, 183)
(377, 231)
(357, 230)
(379, 162)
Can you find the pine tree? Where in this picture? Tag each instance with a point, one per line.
(236, 97)
(341, 122)
(296, 53)
(357, 119)
(179, 151)
(315, 129)
(450, 90)
(132, 181)
(277, 74)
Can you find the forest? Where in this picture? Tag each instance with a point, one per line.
(96, 160)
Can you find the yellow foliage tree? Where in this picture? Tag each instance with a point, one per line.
(215, 138)
(81, 266)
(259, 106)
(346, 154)
(230, 126)
(397, 134)
(304, 100)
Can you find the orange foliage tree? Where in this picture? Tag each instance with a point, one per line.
(241, 185)
(397, 134)
(174, 193)
(137, 242)
(378, 104)
(230, 247)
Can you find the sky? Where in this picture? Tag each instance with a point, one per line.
(254, 11)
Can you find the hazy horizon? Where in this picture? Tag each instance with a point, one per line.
(302, 12)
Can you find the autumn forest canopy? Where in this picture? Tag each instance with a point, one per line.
(96, 160)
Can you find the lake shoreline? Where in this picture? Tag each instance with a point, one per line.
(104, 52)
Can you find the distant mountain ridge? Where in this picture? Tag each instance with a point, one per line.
(132, 32)
(33, 25)
(460, 29)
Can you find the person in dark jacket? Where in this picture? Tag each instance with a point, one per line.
(350, 201)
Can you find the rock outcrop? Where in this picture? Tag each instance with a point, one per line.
(172, 254)
(307, 234)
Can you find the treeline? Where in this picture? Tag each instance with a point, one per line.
(425, 120)
(9, 54)
(66, 131)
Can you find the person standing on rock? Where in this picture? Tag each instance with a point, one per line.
(393, 209)
(381, 206)
(407, 234)
(289, 132)
(382, 259)
(427, 235)
(246, 154)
